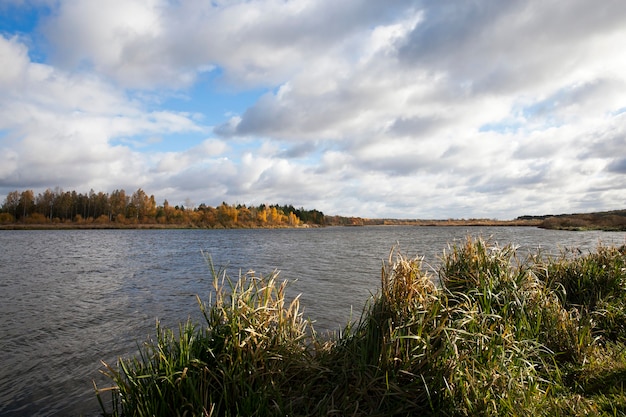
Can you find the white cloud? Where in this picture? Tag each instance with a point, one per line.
(59, 127)
(161, 43)
(173, 162)
(14, 56)
(438, 109)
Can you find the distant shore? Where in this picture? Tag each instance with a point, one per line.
(56, 209)
(606, 221)
(355, 222)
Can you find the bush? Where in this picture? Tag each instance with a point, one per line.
(36, 218)
(102, 219)
(6, 218)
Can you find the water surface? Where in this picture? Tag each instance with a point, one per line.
(70, 298)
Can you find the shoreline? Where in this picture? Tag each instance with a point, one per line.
(364, 222)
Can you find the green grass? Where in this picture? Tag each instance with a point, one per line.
(497, 335)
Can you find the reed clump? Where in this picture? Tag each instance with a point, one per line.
(486, 334)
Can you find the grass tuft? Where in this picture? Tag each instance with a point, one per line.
(489, 334)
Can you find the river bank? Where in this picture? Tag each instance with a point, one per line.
(543, 338)
(348, 222)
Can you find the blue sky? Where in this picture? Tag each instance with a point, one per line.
(402, 108)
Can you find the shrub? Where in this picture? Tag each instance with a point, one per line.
(102, 219)
(36, 218)
(7, 218)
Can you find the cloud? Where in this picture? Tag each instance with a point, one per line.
(618, 165)
(172, 162)
(544, 80)
(439, 109)
(14, 55)
(143, 44)
(60, 127)
(492, 46)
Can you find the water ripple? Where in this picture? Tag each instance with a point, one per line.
(71, 298)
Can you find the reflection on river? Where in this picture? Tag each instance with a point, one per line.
(70, 298)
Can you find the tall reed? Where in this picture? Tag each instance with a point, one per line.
(594, 285)
(239, 362)
(489, 334)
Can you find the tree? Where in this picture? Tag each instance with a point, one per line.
(274, 215)
(45, 203)
(143, 207)
(64, 205)
(245, 215)
(91, 204)
(227, 215)
(59, 206)
(27, 200)
(101, 205)
(293, 219)
(261, 214)
(117, 204)
(11, 203)
(167, 210)
(81, 205)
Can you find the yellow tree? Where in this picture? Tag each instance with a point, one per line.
(293, 219)
(261, 214)
(274, 215)
(144, 206)
(151, 209)
(117, 204)
(227, 215)
(245, 216)
(209, 216)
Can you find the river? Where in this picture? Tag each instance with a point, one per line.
(70, 298)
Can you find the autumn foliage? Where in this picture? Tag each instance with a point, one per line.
(120, 209)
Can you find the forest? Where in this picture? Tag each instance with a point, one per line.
(119, 209)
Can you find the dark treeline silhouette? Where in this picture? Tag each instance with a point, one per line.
(605, 220)
(63, 207)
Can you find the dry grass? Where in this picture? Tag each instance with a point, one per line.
(497, 336)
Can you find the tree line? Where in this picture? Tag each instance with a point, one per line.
(61, 207)
(614, 220)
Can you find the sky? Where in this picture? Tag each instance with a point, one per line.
(381, 109)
